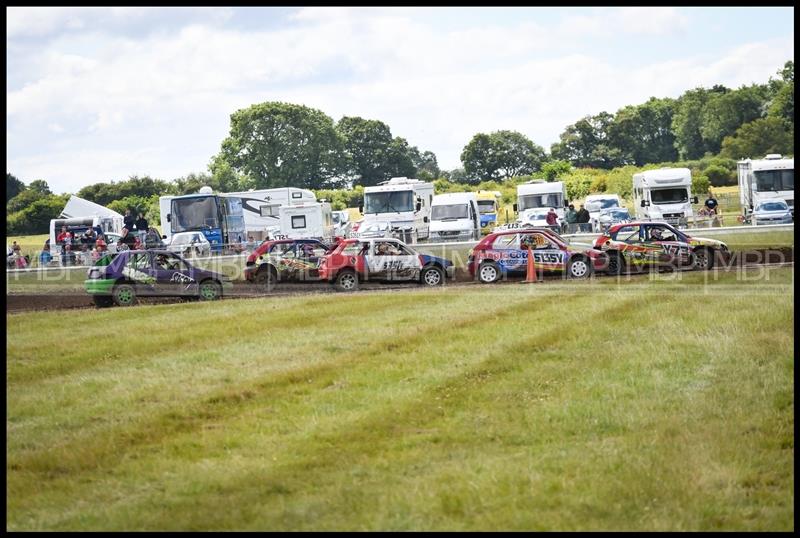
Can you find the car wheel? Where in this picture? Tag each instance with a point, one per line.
(347, 281)
(267, 277)
(210, 290)
(102, 301)
(124, 295)
(703, 259)
(432, 276)
(615, 264)
(488, 273)
(579, 268)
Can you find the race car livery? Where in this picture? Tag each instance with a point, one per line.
(385, 259)
(285, 260)
(638, 245)
(121, 278)
(505, 253)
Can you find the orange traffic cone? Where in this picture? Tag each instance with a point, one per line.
(531, 276)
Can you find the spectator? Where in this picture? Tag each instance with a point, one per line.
(101, 244)
(142, 227)
(711, 204)
(571, 217)
(583, 218)
(127, 239)
(552, 219)
(64, 240)
(89, 237)
(128, 220)
(97, 253)
(15, 248)
(44, 256)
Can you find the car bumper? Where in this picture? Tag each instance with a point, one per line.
(99, 286)
(450, 271)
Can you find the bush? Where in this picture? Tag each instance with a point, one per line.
(700, 184)
(719, 176)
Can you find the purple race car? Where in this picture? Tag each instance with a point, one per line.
(120, 278)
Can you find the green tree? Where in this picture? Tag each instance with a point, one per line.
(367, 145)
(426, 165)
(105, 193)
(13, 186)
(687, 121)
(643, 133)
(40, 186)
(555, 169)
(501, 154)
(285, 145)
(782, 102)
(757, 138)
(724, 113)
(24, 199)
(586, 143)
(400, 159)
(35, 217)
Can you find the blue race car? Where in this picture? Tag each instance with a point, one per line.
(121, 278)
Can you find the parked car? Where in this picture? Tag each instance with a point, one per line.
(285, 260)
(341, 223)
(641, 244)
(121, 278)
(505, 253)
(534, 217)
(384, 259)
(772, 212)
(381, 228)
(189, 244)
(611, 216)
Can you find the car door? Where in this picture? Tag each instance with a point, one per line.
(507, 253)
(546, 254)
(390, 260)
(667, 246)
(311, 253)
(139, 270)
(174, 276)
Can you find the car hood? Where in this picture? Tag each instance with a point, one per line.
(580, 246)
(455, 225)
(427, 258)
(704, 241)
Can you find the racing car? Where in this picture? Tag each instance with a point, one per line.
(505, 253)
(385, 259)
(122, 277)
(285, 260)
(654, 244)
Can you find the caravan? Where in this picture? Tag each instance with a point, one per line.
(312, 220)
(538, 194)
(664, 194)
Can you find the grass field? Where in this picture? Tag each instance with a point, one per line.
(655, 404)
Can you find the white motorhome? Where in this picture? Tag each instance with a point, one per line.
(78, 214)
(761, 180)
(664, 194)
(404, 202)
(455, 216)
(542, 194)
(596, 203)
(311, 220)
(260, 207)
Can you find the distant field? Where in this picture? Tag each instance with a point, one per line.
(656, 404)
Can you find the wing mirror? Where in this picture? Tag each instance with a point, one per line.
(645, 203)
(694, 199)
(424, 219)
(419, 206)
(515, 208)
(169, 217)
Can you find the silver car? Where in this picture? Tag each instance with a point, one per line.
(611, 216)
(772, 212)
(190, 244)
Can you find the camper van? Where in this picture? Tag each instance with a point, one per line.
(763, 180)
(455, 217)
(596, 203)
(542, 194)
(405, 203)
(664, 194)
(311, 220)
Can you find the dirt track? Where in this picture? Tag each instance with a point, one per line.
(61, 301)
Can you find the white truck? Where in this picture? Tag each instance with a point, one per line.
(260, 208)
(664, 194)
(596, 203)
(542, 194)
(770, 178)
(310, 220)
(405, 203)
(455, 216)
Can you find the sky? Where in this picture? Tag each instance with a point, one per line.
(102, 94)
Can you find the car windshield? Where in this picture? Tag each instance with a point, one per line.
(773, 206)
(388, 202)
(669, 196)
(529, 201)
(597, 205)
(377, 227)
(486, 206)
(448, 212)
(194, 214)
(616, 214)
(187, 238)
(774, 180)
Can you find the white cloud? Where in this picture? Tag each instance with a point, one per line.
(160, 104)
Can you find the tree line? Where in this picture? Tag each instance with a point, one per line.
(277, 144)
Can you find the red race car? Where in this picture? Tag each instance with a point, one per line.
(506, 253)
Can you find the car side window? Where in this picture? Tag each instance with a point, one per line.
(628, 234)
(139, 261)
(506, 242)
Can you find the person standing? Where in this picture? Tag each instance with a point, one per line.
(141, 228)
(128, 220)
(552, 219)
(583, 218)
(571, 217)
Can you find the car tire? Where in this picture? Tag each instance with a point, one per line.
(432, 276)
(579, 267)
(209, 290)
(103, 301)
(347, 280)
(124, 295)
(488, 273)
(616, 264)
(703, 259)
(267, 277)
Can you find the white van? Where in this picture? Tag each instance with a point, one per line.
(455, 217)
